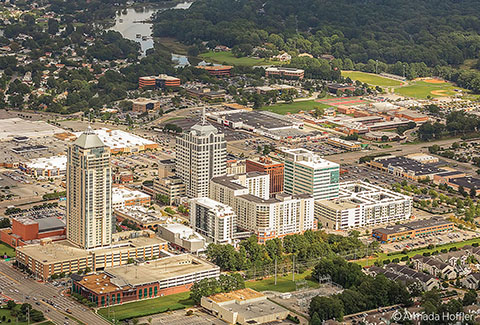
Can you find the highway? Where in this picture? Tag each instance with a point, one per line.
(14, 285)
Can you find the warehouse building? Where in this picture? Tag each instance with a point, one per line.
(123, 142)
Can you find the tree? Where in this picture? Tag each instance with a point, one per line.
(52, 26)
(11, 304)
(326, 308)
(469, 298)
(473, 192)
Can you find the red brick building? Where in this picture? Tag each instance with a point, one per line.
(274, 169)
(25, 230)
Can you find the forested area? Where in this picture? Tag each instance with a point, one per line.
(437, 32)
(362, 292)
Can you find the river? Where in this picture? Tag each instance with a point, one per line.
(129, 23)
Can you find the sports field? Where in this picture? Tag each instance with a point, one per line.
(147, 307)
(371, 79)
(294, 107)
(429, 87)
(230, 59)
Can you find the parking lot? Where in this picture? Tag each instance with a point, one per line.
(434, 239)
(358, 172)
(178, 318)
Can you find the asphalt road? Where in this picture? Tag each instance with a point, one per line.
(13, 285)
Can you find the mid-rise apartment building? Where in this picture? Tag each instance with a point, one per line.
(212, 219)
(362, 204)
(267, 217)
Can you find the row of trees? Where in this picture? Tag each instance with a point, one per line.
(306, 247)
(208, 287)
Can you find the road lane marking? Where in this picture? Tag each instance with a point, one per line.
(9, 277)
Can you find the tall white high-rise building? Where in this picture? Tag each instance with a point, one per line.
(306, 172)
(200, 155)
(89, 192)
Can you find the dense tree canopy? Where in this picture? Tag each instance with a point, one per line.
(437, 32)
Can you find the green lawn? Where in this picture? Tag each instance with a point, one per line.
(371, 79)
(4, 248)
(422, 89)
(294, 107)
(6, 312)
(284, 283)
(230, 59)
(383, 256)
(148, 306)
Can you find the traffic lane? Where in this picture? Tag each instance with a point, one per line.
(30, 287)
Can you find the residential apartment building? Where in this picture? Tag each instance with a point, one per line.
(200, 156)
(89, 192)
(267, 217)
(212, 219)
(361, 204)
(274, 169)
(307, 172)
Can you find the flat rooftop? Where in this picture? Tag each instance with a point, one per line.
(118, 139)
(13, 127)
(414, 225)
(309, 158)
(65, 251)
(161, 269)
(258, 120)
(237, 295)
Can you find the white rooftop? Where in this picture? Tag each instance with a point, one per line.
(116, 139)
(55, 162)
(120, 194)
(12, 127)
(308, 158)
